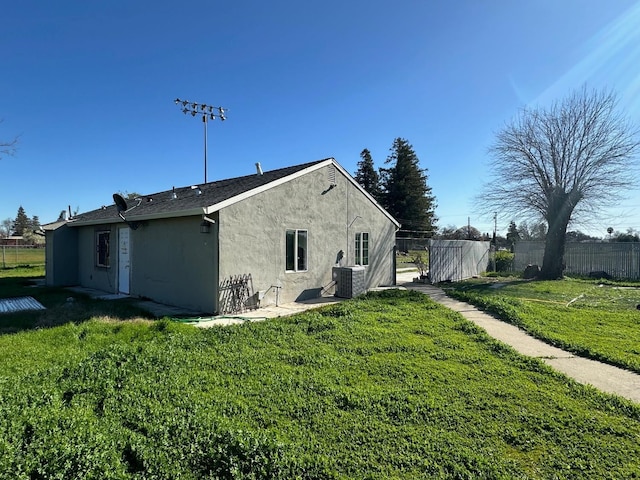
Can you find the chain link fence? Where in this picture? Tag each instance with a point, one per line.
(21, 255)
(409, 244)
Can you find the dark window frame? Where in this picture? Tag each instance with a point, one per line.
(103, 248)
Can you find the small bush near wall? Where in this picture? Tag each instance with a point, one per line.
(504, 261)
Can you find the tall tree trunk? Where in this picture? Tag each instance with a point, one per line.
(561, 207)
(552, 262)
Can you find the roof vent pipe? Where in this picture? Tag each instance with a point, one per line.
(173, 194)
(258, 168)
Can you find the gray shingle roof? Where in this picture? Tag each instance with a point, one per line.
(187, 201)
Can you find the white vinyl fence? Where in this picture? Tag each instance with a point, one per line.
(619, 259)
(455, 260)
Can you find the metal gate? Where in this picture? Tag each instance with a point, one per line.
(455, 260)
(445, 263)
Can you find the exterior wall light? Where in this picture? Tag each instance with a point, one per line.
(205, 227)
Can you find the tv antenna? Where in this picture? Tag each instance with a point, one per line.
(207, 112)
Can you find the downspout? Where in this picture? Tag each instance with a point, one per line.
(346, 222)
(395, 257)
(215, 230)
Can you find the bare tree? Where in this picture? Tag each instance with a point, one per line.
(8, 147)
(561, 162)
(5, 227)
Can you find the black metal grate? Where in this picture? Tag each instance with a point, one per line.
(236, 294)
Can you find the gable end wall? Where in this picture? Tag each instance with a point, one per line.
(252, 236)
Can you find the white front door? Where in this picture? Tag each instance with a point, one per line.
(124, 266)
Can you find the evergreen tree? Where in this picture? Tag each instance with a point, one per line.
(512, 233)
(406, 195)
(21, 223)
(367, 176)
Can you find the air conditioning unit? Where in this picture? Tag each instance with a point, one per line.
(350, 281)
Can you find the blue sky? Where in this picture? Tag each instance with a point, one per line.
(89, 87)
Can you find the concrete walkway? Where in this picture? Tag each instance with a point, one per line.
(602, 376)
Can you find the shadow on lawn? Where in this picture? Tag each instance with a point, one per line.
(62, 306)
(485, 283)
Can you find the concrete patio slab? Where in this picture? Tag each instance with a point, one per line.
(266, 312)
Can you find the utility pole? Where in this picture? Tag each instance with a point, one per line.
(208, 112)
(495, 238)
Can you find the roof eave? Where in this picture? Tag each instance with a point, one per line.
(329, 161)
(138, 218)
(263, 188)
(237, 198)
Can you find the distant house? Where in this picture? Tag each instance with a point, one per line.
(278, 235)
(12, 240)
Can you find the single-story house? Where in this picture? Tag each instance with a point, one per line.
(12, 240)
(276, 236)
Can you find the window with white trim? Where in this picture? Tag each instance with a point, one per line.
(102, 248)
(362, 248)
(296, 256)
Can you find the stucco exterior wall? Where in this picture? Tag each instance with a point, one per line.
(252, 236)
(61, 260)
(173, 263)
(90, 275)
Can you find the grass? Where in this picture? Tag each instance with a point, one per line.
(23, 271)
(62, 305)
(11, 256)
(595, 319)
(410, 256)
(389, 385)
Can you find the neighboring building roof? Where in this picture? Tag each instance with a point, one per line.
(205, 198)
(53, 225)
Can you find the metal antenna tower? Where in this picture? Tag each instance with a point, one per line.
(208, 112)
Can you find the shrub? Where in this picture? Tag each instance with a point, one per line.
(504, 261)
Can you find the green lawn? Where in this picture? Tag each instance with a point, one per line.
(62, 305)
(411, 256)
(11, 256)
(593, 319)
(390, 385)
